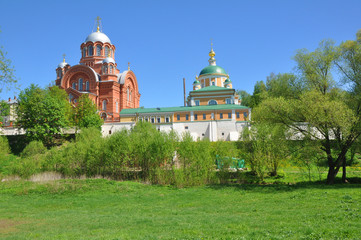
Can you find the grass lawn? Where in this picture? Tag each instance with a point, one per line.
(104, 209)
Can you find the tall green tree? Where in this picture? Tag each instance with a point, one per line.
(85, 114)
(322, 112)
(7, 77)
(42, 113)
(245, 98)
(4, 110)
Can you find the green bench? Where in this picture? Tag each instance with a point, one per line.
(234, 163)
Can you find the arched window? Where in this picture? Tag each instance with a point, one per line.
(84, 52)
(130, 96)
(128, 93)
(111, 69)
(212, 102)
(112, 53)
(104, 107)
(74, 85)
(116, 107)
(99, 50)
(90, 51)
(87, 86)
(59, 73)
(105, 70)
(106, 51)
(80, 83)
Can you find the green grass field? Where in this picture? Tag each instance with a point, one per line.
(104, 209)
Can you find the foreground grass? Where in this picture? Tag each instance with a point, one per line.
(104, 209)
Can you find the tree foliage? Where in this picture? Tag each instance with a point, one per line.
(7, 77)
(322, 111)
(43, 113)
(85, 114)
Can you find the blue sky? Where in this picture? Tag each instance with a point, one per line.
(165, 41)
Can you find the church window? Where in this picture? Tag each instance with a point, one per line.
(229, 115)
(187, 117)
(204, 116)
(158, 120)
(106, 51)
(153, 120)
(99, 50)
(104, 107)
(87, 86)
(196, 102)
(74, 85)
(213, 83)
(111, 69)
(130, 96)
(84, 52)
(80, 84)
(237, 114)
(167, 119)
(116, 107)
(105, 69)
(228, 101)
(178, 117)
(70, 97)
(221, 115)
(212, 102)
(245, 115)
(90, 51)
(195, 117)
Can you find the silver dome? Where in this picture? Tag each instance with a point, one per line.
(98, 37)
(108, 60)
(62, 64)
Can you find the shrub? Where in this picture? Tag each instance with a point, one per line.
(32, 149)
(4, 145)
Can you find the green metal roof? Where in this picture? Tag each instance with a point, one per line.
(211, 88)
(181, 109)
(212, 70)
(196, 82)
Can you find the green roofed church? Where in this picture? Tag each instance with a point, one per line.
(213, 110)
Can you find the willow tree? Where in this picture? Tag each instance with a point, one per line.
(323, 111)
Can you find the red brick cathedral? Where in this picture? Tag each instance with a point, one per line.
(97, 76)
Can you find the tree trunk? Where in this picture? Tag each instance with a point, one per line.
(344, 170)
(331, 175)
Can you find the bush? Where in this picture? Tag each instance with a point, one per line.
(33, 148)
(4, 145)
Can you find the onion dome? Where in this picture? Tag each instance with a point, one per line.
(97, 37)
(63, 63)
(109, 60)
(213, 69)
(196, 82)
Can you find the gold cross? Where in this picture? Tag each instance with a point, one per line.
(128, 66)
(64, 57)
(211, 44)
(98, 22)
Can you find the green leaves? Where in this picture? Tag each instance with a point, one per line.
(43, 113)
(86, 115)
